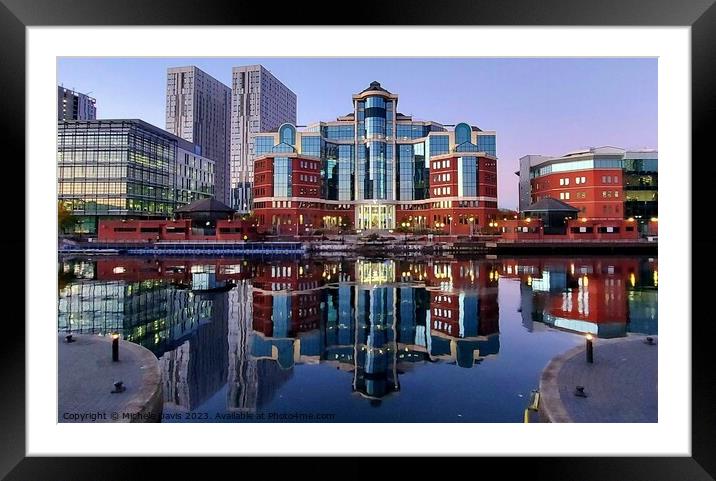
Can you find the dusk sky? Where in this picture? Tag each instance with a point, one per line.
(536, 106)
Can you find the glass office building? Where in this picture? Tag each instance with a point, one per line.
(376, 170)
(126, 169)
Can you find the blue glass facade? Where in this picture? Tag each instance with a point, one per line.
(439, 145)
(487, 143)
(346, 172)
(468, 174)
(311, 145)
(263, 144)
(282, 177)
(406, 172)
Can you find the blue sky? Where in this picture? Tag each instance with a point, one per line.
(537, 106)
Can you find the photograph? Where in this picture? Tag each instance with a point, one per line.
(427, 232)
(358, 239)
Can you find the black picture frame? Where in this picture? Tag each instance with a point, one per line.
(700, 15)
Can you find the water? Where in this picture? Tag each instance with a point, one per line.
(362, 340)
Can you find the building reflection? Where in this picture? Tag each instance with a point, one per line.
(245, 325)
(607, 297)
(376, 318)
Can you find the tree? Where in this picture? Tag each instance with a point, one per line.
(65, 219)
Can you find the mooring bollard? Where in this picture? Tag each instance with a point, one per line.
(115, 347)
(579, 392)
(590, 349)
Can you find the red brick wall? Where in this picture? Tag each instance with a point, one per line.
(600, 196)
(170, 230)
(592, 227)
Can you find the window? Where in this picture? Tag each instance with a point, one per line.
(463, 133)
(566, 195)
(561, 181)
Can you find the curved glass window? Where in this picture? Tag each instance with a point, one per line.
(577, 165)
(287, 134)
(283, 147)
(375, 176)
(463, 133)
(375, 102)
(375, 127)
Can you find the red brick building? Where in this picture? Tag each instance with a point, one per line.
(602, 183)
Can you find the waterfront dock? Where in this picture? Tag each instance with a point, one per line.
(385, 244)
(87, 375)
(194, 248)
(620, 386)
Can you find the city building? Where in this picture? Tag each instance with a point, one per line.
(375, 169)
(197, 110)
(73, 105)
(259, 103)
(602, 182)
(126, 168)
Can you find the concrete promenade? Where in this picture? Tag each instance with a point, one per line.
(621, 384)
(86, 381)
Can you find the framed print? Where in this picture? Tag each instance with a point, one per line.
(421, 234)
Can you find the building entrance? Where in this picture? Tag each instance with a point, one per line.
(375, 217)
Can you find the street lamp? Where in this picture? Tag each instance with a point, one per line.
(450, 223)
(405, 226)
(471, 219)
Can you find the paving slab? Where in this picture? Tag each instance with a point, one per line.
(621, 385)
(87, 375)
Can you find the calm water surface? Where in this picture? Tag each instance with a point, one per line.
(362, 340)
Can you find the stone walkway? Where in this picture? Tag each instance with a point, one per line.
(621, 384)
(86, 378)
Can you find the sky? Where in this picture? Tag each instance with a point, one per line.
(547, 106)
